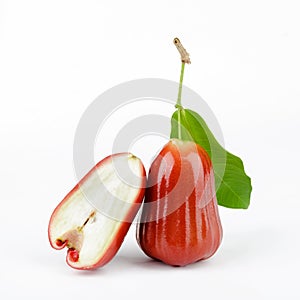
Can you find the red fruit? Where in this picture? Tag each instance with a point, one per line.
(180, 223)
(93, 219)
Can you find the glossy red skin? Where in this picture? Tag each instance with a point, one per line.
(180, 224)
(123, 229)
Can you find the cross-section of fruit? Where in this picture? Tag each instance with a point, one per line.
(93, 219)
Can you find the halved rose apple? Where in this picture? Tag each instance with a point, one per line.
(93, 219)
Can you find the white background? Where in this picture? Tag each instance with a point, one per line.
(56, 57)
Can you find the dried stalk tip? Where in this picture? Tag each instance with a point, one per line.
(185, 57)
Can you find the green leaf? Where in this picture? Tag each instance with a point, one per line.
(233, 186)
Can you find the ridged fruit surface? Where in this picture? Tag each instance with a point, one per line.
(180, 222)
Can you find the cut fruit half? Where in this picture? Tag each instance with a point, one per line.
(93, 219)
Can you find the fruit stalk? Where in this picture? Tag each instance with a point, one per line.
(185, 58)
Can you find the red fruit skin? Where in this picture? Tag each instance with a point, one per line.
(180, 222)
(118, 239)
